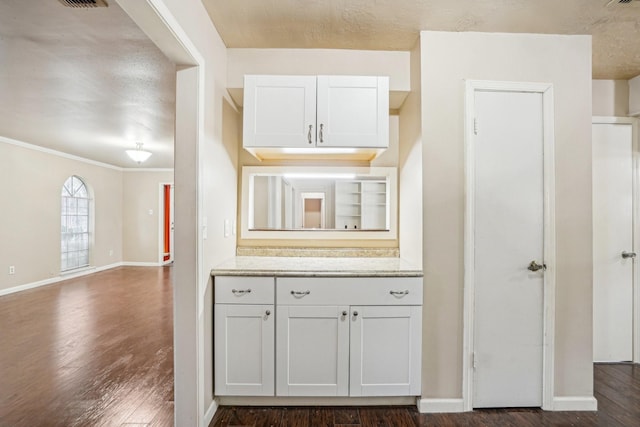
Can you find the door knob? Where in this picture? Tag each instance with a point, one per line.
(626, 254)
(534, 266)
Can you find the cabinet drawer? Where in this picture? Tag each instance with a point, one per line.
(243, 290)
(349, 290)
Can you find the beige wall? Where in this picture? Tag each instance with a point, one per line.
(142, 215)
(30, 213)
(30, 239)
(610, 98)
(410, 169)
(447, 60)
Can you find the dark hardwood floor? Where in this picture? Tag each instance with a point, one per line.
(98, 351)
(91, 351)
(617, 388)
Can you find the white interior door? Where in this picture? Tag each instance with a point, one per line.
(612, 235)
(508, 236)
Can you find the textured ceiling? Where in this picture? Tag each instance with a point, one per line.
(395, 24)
(86, 82)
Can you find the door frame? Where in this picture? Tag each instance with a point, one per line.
(635, 221)
(161, 214)
(314, 195)
(546, 90)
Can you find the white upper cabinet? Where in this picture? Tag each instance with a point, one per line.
(279, 111)
(353, 111)
(285, 115)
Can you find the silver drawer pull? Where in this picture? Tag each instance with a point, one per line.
(399, 293)
(626, 254)
(300, 293)
(241, 291)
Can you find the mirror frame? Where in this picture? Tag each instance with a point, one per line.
(247, 205)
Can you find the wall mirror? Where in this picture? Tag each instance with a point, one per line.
(331, 202)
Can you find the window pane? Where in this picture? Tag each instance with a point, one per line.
(72, 206)
(74, 224)
(83, 258)
(83, 224)
(83, 207)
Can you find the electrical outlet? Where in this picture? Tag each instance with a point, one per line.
(110, 252)
(12, 269)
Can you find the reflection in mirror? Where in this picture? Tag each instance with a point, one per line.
(318, 201)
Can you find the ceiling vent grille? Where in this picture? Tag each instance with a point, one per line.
(84, 3)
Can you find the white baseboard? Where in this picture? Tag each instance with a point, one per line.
(208, 416)
(440, 405)
(141, 264)
(52, 280)
(67, 276)
(575, 403)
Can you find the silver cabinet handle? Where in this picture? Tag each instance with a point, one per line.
(399, 293)
(309, 134)
(321, 136)
(268, 312)
(344, 313)
(626, 254)
(300, 293)
(355, 314)
(241, 291)
(534, 266)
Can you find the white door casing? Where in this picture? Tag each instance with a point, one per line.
(614, 284)
(508, 314)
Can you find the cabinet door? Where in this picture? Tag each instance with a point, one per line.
(279, 111)
(244, 350)
(385, 351)
(353, 111)
(312, 351)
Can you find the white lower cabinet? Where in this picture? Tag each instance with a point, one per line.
(318, 336)
(312, 351)
(244, 336)
(385, 351)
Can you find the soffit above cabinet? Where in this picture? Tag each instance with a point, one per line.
(312, 62)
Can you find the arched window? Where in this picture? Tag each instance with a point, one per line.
(75, 224)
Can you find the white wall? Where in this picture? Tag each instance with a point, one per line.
(447, 60)
(610, 98)
(141, 215)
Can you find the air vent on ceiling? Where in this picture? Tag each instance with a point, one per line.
(624, 1)
(84, 3)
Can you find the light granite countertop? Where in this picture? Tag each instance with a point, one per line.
(316, 267)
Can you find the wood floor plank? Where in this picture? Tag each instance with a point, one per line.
(346, 416)
(90, 350)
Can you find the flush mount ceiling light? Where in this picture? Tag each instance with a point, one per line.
(139, 155)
